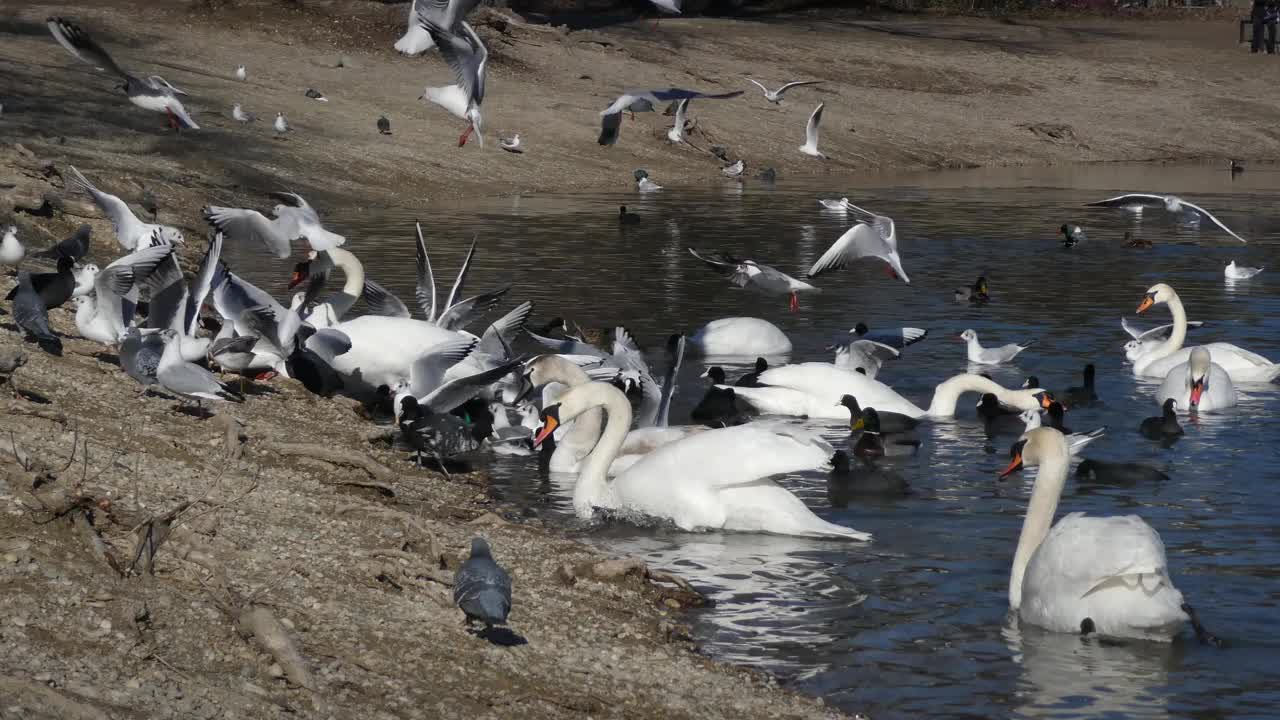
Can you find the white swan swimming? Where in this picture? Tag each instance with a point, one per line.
(1087, 574)
(746, 336)
(1199, 385)
(1239, 363)
(813, 389)
(583, 433)
(713, 480)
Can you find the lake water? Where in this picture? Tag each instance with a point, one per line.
(914, 624)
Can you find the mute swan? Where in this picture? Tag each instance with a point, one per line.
(713, 480)
(740, 336)
(1106, 575)
(810, 390)
(1239, 363)
(583, 433)
(1199, 385)
(991, 355)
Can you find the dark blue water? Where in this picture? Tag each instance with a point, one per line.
(914, 624)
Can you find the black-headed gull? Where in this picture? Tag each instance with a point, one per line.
(294, 219)
(735, 170)
(281, 125)
(1170, 203)
(676, 133)
(131, 232)
(991, 356)
(511, 144)
(841, 205)
(775, 96)
(751, 275)
(1072, 234)
(877, 238)
(239, 115)
(1239, 272)
(444, 14)
(184, 379)
(810, 146)
(11, 250)
(635, 101)
(895, 337)
(643, 183)
(241, 73)
(151, 93)
(468, 57)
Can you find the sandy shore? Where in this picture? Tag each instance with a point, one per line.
(353, 560)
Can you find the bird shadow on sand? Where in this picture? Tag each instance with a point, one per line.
(200, 413)
(500, 636)
(106, 357)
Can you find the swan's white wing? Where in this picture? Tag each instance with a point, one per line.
(243, 225)
(1083, 554)
(728, 457)
(1205, 213)
(811, 129)
(426, 374)
(1129, 200)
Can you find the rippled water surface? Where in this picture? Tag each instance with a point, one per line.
(914, 624)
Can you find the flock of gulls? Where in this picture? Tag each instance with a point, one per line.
(446, 372)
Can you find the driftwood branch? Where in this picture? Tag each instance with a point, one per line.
(334, 456)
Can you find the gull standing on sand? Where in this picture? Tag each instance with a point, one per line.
(241, 73)
(468, 58)
(775, 96)
(991, 356)
(676, 134)
(294, 219)
(734, 171)
(1239, 272)
(131, 232)
(810, 146)
(152, 93)
(11, 251)
(751, 275)
(511, 144)
(184, 379)
(239, 115)
(1136, 202)
(877, 237)
(281, 125)
(635, 101)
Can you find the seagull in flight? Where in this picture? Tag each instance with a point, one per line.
(810, 146)
(442, 13)
(150, 93)
(775, 96)
(876, 237)
(751, 275)
(1170, 203)
(635, 101)
(467, 56)
(676, 134)
(294, 219)
(131, 233)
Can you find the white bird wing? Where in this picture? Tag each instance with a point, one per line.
(1133, 549)
(757, 84)
(568, 346)
(1205, 213)
(1159, 332)
(1120, 201)
(443, 13)
(426, 287)
(798, 83)
(84, 48)
(123, 222)
(243, 225)
(459, 282)
(466, 56)
(811, 129)
(682, 107)
(203, 284)
(861, 240)
(382, 301)
(426, 374)
(501, 333)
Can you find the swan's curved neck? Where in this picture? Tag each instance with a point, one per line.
(352, 270)
(1179, 334)
(946, 395)
(594, 475)
(1050, 479)
(585, 430)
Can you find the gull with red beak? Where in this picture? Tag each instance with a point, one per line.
(468, 58)
(1200, 385)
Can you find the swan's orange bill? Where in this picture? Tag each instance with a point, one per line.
(1045, 400)
(1146, 303)
(295, 278)
(1197, 389)
(548, 426)
(1014, 466)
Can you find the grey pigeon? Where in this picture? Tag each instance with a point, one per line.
(54, 288)
(74, 247)
(140, 356)
(384, 125)
(11, 358)
(482, 588)
(30, 313)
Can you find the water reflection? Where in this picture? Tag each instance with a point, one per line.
(913, 625)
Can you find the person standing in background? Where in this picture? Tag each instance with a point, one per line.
(1265, 15)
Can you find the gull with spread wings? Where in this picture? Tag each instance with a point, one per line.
(1170, 203)
(293, 219)
(150, 93)
(635, 101)
(468, 58)
(876, 236)
(751, 275)
(810, 146)
(775, 96)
